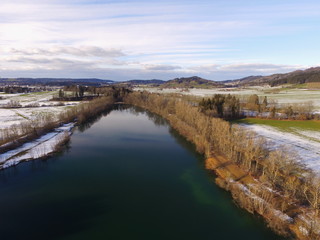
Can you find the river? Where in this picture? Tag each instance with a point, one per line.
(126, 175)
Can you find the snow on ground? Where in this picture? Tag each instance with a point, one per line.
(201, 92)
(309, 134)
(306, 144)
(284, 217)
(38, 148)
(11, 116)
(282, 97)
(25, 99)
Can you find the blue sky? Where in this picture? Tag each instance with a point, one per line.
(122, 40)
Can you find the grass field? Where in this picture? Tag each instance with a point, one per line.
(283, 125)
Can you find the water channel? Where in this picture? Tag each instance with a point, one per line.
(125, 175)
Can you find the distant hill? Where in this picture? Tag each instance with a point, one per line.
(296, 77)
(55, 81)
(245, 80)
(191, 82)
(310, 75)
(153, 82)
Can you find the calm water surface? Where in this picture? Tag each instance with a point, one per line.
(127, 176)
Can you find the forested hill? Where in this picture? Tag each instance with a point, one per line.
(296, 77)
(54, 81)
(154, 82)
(191, 82)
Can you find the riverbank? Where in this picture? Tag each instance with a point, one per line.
(264, 181)
(250, 193)
(41, 147)
(106, 186)
(41, 138)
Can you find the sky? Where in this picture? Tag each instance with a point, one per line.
(146, 39)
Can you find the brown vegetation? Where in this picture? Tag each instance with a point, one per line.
(268, 182)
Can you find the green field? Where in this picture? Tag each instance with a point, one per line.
(283, 125)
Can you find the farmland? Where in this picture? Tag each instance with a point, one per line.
(32, 106)
(280, 95)
(301, 137)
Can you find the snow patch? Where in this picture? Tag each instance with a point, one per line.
(306, 149)
(38, 148)
(275, 212)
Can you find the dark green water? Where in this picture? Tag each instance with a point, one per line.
(128, 176)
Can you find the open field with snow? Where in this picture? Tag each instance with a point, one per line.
(33, 105)
(302, 138)
(282, 96)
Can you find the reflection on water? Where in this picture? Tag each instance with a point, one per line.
(86, 125)
(126, 175)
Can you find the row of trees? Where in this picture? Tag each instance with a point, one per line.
(24, 131)
(20, 89)
(231, 107)
(223, 106)
(79, 92)
(271, 109)
(275, 169)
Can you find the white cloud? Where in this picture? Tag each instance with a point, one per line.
(238, 70)
(161, 67)
(82, 51)
(163, 38)
(79, 69)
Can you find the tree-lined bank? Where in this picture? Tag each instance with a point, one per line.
(268, 182)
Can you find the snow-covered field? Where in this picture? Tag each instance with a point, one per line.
(282, 97)
(38, 148)
(42, 106)
(304, 144)
(10, 116)
(42, 98)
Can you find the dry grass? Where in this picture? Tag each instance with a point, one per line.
(313, 85)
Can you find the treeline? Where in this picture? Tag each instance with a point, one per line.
(231, 107)
(222, 106)
(282, 183)
(18, 89)
(27, 130)
(271, 109)
(80, 92)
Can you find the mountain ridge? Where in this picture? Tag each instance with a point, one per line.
(294, 77)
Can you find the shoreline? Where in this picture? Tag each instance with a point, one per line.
(245, 168)
(38, 148)
(280, 212)
(246, 191)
